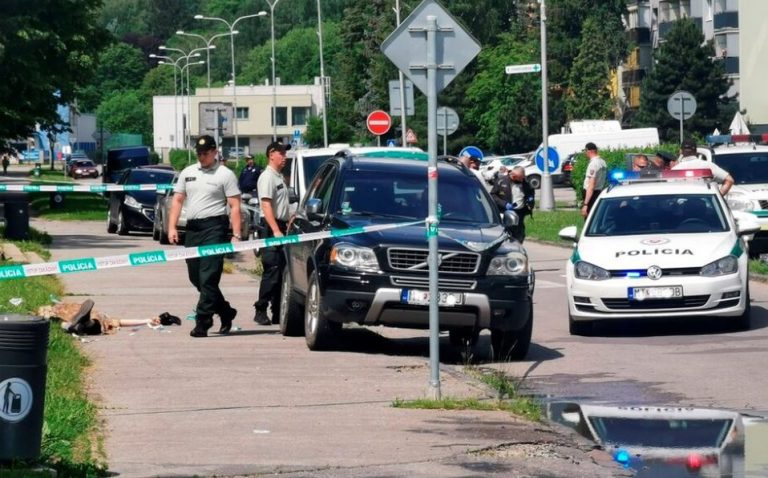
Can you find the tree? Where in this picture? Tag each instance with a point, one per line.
(127, 111)
(683, 62)
(120, 67)
(45, 51)
(589, 95)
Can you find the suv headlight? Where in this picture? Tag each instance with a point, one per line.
(130, 201)
(354, 257)
(513, 263)
(739, 201)
(585, 270)
(720, 267)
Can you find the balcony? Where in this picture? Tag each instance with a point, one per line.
(641, 36)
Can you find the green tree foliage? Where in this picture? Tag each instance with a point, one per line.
(120, 67)
(683, 63)
(45, 50)
(589, 95)
(127, 111)
(506, 109)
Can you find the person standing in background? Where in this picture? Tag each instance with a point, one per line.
(249, 177)
(594, 180)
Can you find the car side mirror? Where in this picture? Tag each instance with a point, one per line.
(568, 233)
(511, 219)
(313, 209)
(292, 196)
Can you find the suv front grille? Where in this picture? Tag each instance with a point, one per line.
(450, 262)
(763, 203)
(423, 283)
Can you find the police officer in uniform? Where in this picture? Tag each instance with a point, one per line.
(273, 195)
(249, 177)
(207, 187)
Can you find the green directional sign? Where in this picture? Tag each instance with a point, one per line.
(530, 68)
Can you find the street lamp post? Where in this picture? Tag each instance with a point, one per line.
(231, 27)
(189, 107)
(173, 63)
(272, 5)
(209, 44)
(322, 74)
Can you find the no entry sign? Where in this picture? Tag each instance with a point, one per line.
(378, 122)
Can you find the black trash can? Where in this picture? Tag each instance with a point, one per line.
(16, 216)
(23, 351)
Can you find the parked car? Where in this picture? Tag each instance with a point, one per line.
(135, 209)
(382, 278)
(83, 168)
(163, 200)
(567, 169)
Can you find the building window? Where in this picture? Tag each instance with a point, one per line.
(280, 116)
(242, 113)
(299, 115)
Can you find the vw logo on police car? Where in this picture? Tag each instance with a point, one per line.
(655, 241)
(654, 272)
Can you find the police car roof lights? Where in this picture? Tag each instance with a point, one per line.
(625, 177)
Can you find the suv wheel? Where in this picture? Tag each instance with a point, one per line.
(111, 228)
(319, 332)
(512, 345)
(290, 312)
(122, 226)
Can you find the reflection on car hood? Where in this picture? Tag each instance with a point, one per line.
(416, 234)
(146, 198)
(665, 251)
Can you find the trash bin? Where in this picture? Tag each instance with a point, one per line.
(16, 216)
(23, 351)
(37, 170)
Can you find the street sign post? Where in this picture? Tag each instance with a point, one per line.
(431, 48)
(515, 69)
(394, 98)
(681, 105)
(378, 122)
(553, 158)
(447, 124)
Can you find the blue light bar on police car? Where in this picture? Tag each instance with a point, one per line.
(621, 176)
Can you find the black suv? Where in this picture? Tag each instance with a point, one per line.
(381, 278)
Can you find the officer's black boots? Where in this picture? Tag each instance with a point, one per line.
(226, 320)
(202, 324)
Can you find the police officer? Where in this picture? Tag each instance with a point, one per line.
(273, 195)
(512, 192)
(207, 187)
(249, 177)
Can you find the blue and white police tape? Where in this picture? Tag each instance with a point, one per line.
(86, 188)
(87, 264)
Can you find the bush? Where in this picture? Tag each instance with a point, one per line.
(179, 158)
(614, 159)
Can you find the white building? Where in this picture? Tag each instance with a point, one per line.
(210, 112)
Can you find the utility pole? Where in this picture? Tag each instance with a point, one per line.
(547, 193)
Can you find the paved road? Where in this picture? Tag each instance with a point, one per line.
(256, 402)
(692, 363)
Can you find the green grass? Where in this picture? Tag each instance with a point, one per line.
(544, 225)
(71, 444)
(36, 243)
(759, 267)
(76, 207)
(47, 175)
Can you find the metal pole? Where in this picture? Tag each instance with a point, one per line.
(208, 66)
(682, 115)
(401, 78)
(322, 74)
(175, 111)
(445, 131)
(547, 194)
(274, 88)
(189, 117)
(433, 220)
(234, 92)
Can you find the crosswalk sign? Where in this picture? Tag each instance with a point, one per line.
(391, 143)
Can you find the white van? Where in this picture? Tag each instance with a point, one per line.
(569, 144)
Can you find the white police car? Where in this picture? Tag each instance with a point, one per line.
(660, 246)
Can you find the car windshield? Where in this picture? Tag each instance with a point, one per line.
(84, 163)
(368, 193)
(657, 214)
(745, 168)
(145, 176)
(662, 433)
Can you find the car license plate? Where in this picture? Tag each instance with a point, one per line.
(421, 297)
(642, 293)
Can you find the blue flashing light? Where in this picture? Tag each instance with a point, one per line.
(633, 275)
(622, 456)
(617, 176)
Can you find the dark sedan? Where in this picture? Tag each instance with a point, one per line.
(134, 209)
(83, 168)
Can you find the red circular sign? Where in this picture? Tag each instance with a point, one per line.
(378, 122)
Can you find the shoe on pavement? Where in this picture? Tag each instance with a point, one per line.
(202, 324)
(167, 319)
(226, 321)
(82, 318)
(261, 318)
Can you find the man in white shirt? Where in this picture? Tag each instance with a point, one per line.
(689, 160)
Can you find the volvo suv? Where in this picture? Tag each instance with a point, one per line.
(382, 277)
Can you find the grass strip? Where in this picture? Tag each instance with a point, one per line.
(545, 225)
(76, 207)
(37, 241)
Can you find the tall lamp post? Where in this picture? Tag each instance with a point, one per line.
(231, 27)
(167, 60)
(209, 44)
(322, 73)
(272, 5)
(189, 107)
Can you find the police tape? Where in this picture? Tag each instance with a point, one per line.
(87, 188)
(136, 259)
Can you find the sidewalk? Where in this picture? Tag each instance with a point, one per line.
(257, 403)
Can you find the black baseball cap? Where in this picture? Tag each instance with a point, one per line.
(277, 146)
(205, 143)
(475, 159)
(688, 143)
(590, 147)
